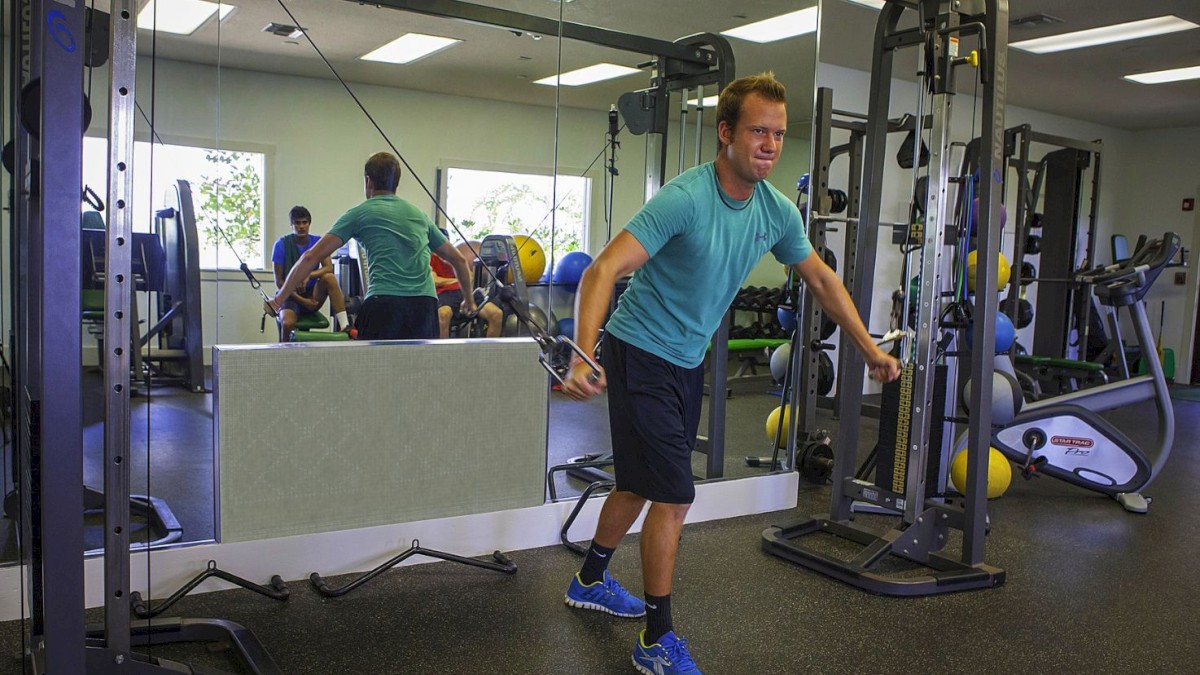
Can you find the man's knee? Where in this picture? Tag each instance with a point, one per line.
(329, 281)
(490, 312)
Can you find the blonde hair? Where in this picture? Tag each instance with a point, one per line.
(729, 105)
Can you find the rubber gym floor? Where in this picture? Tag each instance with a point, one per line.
(1090, 588)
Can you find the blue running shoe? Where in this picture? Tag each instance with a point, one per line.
(605, 596)
(668, 656)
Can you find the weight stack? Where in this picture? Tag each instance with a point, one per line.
(885, 447)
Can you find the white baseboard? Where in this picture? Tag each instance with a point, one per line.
(351, 551)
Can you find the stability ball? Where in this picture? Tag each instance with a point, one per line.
(514, 328)
(780, 358)
(1003, 271)
(566, 327)
(773, 425)
(1007, 397)
(999, 473)
(569, 269)
(532, 257)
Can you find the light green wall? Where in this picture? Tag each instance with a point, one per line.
(316, 140)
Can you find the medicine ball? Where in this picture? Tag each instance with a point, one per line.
(999, 472)
(1003, 271)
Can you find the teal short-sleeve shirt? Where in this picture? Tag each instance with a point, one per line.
(702, 245)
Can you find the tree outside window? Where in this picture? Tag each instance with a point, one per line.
(229, 209)
(227, 194)
(501, 202)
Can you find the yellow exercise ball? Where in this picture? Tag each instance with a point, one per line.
(533, 258)
(1003, 271)
(999, 473)
(773, 425)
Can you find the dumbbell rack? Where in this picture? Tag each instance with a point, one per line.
(763, 302)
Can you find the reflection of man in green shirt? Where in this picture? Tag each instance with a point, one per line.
(401, 302)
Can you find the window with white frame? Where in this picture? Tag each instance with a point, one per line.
(482, 202)
(227, 194)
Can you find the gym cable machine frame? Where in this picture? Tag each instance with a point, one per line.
(50, 435)
(923, 531)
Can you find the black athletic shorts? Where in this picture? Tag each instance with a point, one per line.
(296, 307)
(452, 299)
(391, 317)
(653, 412)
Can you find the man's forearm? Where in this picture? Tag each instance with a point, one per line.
(462, 272)
(591, 306)
(298, 274)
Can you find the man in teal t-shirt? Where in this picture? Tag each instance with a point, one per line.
(691, 246)
(401, 302)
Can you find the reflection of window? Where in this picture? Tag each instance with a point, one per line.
(503, 202)
(227, 193)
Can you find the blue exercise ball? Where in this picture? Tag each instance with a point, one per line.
(569, 269)
(1006, 333)
(787, 318)
(566, 327)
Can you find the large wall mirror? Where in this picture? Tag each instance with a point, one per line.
(240, 119)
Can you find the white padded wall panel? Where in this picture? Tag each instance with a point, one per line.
(331, 436)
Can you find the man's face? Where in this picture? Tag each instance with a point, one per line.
(753, 147)
(300, 226)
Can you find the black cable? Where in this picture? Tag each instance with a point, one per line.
(581, 175)
(507, 294)
(146, 365)
(554, 168)
(245, 269)
(437, 204)
(611, 173)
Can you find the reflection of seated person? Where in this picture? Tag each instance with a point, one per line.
(321, 282)
(450, 298)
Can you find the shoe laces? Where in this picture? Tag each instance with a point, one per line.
(678, 653)
(611, 586)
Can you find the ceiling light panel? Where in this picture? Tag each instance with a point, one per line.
(588, 75)
(709, 101)
(1091, 37)
(1164, 76)
(409, 47)
(181, 17)
(777, 28)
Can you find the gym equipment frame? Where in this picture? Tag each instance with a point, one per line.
(49, 443)
(923, 531)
